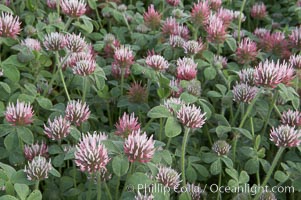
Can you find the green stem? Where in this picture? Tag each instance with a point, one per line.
(250, 107)
(98, 18)
(108, 191)
(252, 127)
(90, 187)
(220, 183)
(98, 186)
(58, 7)
(85, 79)
(148, 124)
(236, 114)
(64, 84)
(109, 114)
(184, 144)
(127, 176)
(221, 74)
(122, 81)
(240, 19)
(68, 24)
(269, 113)
(74, 175)
(61, 73)
(242, 110)
(117, 188)
(161, 129)
(267, 178)
(236, 136)
(195, 33)
(127, 24)
(36, 187)
(55, 72)
(168, 143)
(258, 177)
(277, 110)
(208, 134)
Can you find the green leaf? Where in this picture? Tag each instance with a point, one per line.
(244, 132)
(297, 184)
(66, 182)
(9, 171)
(35, 195)
(202, 170)
(11, 141)
(188, 98)
(54, 172)
(120, 165)
(191, 174)
(210, 73)
(185, 196)
(228, 162)
(159, 112)
(8, 197)
(257, 142)
(31, 89)
(5, 129)
(75, 133)
(139, 179)
(92, 4)
(25, 134)
(209, 157)
(208, 55)
(252, 166)
(44, 103)
(26, 98)
(20, 177)
(222, 130)
(166, 156)
(11, 72)
(280, 176)
(243, 177)
(232, 172)
(22, 190)
(172, 127)
(216, 167)
(231, 42)
(55, 149)
(5, 8)
(6, 87)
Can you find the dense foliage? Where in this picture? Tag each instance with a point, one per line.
(150, 99)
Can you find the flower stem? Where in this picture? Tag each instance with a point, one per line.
(98, 186)
(219, 195)
(236, 136)
(90, 187)
(184, 144)
(240, 19)
(108, 192)
(109, 114)
(74, 175)
(36, 187)
(249, 109)
(148, 124)
(117, 188)
(127, 24)
(64, 84)
(58, 7)
(85, 79)
(68, 24)
(269, 113)
(267, 178)
(161, 129)
(61, 74)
